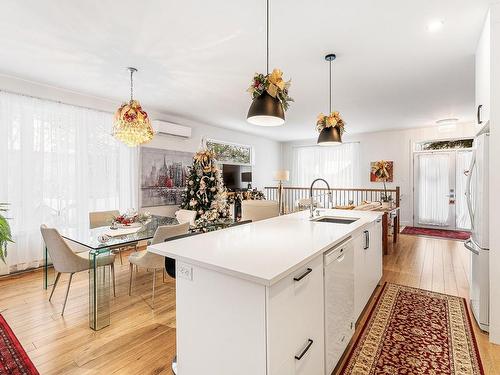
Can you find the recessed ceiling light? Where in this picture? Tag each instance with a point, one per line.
(435, 25)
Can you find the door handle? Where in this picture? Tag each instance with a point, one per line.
(306, 272)
(304, 351)
(469, 247)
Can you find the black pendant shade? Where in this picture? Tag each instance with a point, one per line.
(329, 137)
(266, 111)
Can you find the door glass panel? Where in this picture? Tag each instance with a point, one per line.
(462, 167)
(434, 189)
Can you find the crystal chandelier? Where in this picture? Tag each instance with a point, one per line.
(131, 123)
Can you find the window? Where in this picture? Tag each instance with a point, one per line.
(445, 144)
(58, 163)
(338, 165)
(230, 153)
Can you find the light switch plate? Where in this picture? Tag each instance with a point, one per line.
(185, 271)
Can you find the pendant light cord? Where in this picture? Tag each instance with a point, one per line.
(131, 84)
(267, 37)
(330, 86)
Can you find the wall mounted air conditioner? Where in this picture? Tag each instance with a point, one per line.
(171, 129)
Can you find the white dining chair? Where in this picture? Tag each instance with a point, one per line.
(256, 210)
(103, 219)
(185, 216)
(148, 260)
(65, 260)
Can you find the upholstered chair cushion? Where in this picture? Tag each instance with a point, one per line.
(256, 210)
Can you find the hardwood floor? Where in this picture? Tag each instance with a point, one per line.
(142, 341)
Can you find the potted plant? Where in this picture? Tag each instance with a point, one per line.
(5, 233)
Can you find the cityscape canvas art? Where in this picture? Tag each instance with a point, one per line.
(163, 176)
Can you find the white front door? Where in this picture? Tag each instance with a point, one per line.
(439, 189)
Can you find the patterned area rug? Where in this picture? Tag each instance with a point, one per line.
(414, 331)
(451, 234)
(13, 358)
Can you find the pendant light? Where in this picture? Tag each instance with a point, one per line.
(131, 122)
(266, 109)
(330, 127)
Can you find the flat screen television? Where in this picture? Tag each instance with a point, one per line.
(236, 177)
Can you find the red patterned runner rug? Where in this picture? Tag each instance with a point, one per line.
(13, 358)
(414, 331)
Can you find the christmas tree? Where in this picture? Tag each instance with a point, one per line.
(205, 192)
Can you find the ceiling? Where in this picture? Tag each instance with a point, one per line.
(196, 58)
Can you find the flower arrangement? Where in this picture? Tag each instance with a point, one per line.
(331, 121)
(273, 84)
(132, 216)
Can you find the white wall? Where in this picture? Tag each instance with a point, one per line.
(393, 145)
(267, 153)
(495, 176)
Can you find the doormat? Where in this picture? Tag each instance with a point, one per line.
(441, 233)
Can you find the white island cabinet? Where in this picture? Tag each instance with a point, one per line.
(250, 299)
(367, 264)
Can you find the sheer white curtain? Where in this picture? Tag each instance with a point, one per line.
(434, 186)
(339, 165)
(463, 160)
(58, 162)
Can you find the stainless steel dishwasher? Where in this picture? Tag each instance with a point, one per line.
(339, 301)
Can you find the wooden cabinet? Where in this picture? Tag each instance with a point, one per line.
(367, 264)
(295, 322)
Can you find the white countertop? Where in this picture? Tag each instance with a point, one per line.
(267, 250)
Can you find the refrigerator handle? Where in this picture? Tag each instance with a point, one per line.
(468, 188)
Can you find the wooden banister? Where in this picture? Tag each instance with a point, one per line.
(340, 196)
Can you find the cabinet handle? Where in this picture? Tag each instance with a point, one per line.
(367, 240)
(309, 343)
(479, 107)
(307, 272)
(340, 258)
(379, 220)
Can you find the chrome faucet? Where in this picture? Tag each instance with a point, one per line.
(311, 207)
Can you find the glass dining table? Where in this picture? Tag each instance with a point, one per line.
(98, 244)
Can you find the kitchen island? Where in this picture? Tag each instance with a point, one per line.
(251, 299)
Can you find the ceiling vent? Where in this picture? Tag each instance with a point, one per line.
(170, 129)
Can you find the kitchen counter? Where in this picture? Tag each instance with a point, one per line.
(265, 251)
(260, 298)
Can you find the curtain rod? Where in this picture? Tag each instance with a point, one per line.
(54, 101)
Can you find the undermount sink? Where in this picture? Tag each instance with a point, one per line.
(336, 220)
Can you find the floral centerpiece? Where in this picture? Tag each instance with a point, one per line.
(330, 121)
(274, 85)
(132, 216)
